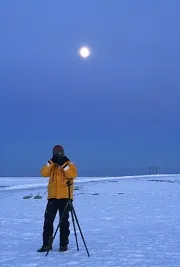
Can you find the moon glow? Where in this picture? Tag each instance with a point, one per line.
(84, 52)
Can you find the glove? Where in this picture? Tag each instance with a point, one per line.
(54, 158)
(61, 160)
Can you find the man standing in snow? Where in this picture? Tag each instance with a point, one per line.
(59, 168)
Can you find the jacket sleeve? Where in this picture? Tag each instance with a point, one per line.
(69, 170)
(46, 169)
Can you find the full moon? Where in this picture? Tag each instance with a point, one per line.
(84, 52)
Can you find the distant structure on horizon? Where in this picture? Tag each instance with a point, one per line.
(153, 169)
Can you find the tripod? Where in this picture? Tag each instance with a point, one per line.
(70, 208)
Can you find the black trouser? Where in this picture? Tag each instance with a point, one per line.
(52, 207)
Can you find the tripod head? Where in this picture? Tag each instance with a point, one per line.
(69, 182)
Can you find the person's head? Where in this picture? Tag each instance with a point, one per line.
(58, 150)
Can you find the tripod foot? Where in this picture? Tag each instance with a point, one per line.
(74, 213)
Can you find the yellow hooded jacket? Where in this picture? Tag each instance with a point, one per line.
(59, 175)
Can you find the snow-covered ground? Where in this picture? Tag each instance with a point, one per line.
(129, 221)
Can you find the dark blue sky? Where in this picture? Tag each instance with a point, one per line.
(116, 112)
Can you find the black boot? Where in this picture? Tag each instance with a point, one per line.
(63, 248)
(45, 248)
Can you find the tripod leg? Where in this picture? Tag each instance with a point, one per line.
(80, 230)
(74, 229)
(52, 238)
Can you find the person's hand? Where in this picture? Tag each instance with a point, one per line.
(54, 159)
(61, 160)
